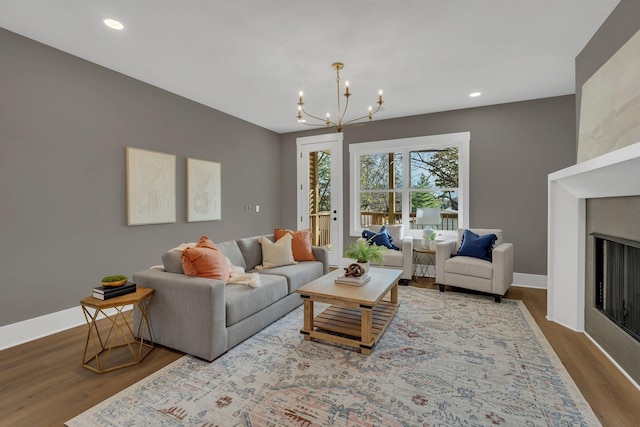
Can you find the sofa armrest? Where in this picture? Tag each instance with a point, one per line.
(502, 256)
(407, 258)
(444, 250)
(321, 255)
(186, 313)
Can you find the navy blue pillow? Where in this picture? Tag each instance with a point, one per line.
(477, 246)
(381, 238)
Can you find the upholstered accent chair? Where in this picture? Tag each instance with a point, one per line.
(493, 275)
(402, 259)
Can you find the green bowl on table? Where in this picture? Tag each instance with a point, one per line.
(114, 281)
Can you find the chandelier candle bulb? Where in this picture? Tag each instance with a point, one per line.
(339, 121)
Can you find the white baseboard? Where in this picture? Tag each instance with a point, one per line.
(524, 280)
(38, 327)
(636, 385)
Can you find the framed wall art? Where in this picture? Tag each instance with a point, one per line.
(151, 187)
(203, 191)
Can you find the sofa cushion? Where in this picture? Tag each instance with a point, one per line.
(468, 266)
(301, 243)
(241, 301)
(276, 254)
(391, 259)
(298, 274)
(231, 250)
(252, 251)
(172, 261)
(476, 246)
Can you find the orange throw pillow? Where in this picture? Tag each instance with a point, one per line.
(300, 244)
(205, 260)
(204, 242)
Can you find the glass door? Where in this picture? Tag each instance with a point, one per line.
(319, 184)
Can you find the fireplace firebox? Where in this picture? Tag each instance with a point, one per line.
(617, 281)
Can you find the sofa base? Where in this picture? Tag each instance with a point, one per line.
(245, 328)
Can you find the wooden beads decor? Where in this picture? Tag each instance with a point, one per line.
(354, 270)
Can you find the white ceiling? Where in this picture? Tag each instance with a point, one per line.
(250, 58)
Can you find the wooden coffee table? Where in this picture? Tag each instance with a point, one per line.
(357, 315)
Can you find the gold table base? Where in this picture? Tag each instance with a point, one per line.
(99, 350)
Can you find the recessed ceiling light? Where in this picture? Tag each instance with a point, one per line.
(475, 94)
(112, 23)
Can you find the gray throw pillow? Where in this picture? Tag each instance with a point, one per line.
(172, 261)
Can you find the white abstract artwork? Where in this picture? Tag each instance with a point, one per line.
(151, 187)
(203, 191)
(610, 106)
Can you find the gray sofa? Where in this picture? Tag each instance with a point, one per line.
(206, 317)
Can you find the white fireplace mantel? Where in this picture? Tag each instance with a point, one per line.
(614, 174)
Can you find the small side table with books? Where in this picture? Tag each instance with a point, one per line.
(116, 345)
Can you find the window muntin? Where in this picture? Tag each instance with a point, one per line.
(435, 167)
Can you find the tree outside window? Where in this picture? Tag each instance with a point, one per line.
(394, 178)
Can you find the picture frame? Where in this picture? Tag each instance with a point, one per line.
(151, 187)
(204, 201)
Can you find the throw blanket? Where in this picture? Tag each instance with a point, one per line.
(239, 276)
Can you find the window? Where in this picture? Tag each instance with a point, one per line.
(391, 179)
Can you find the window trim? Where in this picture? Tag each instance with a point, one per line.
(460, 140)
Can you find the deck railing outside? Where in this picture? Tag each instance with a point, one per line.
(448, 220)
(320, 223)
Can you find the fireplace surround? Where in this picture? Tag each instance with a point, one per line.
(612, 175)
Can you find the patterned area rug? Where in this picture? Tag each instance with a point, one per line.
(447, 359)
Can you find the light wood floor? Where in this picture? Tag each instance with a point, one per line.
(43, 384)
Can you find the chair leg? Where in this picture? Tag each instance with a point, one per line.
(498, 298)
(441, 287)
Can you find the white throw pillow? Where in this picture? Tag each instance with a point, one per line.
(276, 254)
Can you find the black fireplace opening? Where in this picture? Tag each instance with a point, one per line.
(617, 281)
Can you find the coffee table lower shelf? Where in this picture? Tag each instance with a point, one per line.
(344, 325)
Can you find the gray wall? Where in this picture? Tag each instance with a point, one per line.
(609, 216)
(64, 126)
(619, 27)
(614, 216)
(513, 149)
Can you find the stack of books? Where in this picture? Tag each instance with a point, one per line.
(356, 281)
(107, 292)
